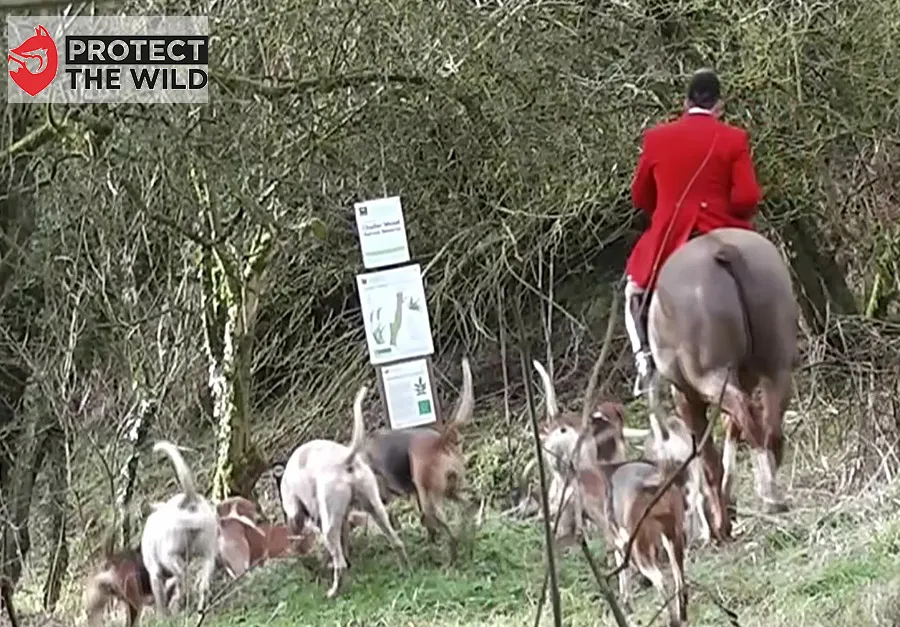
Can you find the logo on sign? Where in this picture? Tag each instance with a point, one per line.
(111, 59)
(40, 50)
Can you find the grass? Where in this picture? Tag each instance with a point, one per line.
(827, 562)
(832, 560)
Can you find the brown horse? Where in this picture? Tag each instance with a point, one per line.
(724, 314)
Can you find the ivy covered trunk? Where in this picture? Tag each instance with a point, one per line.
(136, 434)
(230, 284)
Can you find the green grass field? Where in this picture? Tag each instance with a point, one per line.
(827, 562)
(832, 560)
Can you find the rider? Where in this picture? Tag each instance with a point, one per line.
(694, 175)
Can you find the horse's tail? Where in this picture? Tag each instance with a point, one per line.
(733, 262)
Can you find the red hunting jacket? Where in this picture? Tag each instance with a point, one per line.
(703, 159)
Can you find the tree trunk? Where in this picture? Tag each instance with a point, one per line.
(17, 223)
(17, 537)
(229, 323)
(823, 286)
(231, 280)
(13, 379)
(59, 490)
(136, 435)
(6, 603)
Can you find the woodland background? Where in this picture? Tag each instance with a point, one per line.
(188, 272)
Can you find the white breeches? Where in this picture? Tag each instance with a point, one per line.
(632, 289)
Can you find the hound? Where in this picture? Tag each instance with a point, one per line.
(616, 493)
(629, 489)
(670, 440)
(178, 531)
(322, 480)
(244, 545)
(427, 462)
(122, 578)
(239, 506)
(562, 432)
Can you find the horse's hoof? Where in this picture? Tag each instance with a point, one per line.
(723, 537)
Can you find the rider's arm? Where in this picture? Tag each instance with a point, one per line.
(745, 191)
(643, 184)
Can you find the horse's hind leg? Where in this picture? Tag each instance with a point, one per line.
(737, 404)
(692, 409)
(775, 396)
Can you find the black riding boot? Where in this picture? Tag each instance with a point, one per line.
(643, 358)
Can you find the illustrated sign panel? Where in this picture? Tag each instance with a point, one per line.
(395, 314)
(408, 395)
(382, 232)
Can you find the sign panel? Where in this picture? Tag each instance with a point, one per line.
(382, 232)
(408, 394)
(395, 314)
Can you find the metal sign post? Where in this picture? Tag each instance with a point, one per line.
(395, 315)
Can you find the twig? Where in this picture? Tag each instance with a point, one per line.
(729, 613)
(505, 371)
(558, 516)
(525, 356)
(286, 87)
(219, 597)
(660, 609)
(601, 359)
(605, 590)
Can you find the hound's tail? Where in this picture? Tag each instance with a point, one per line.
(466, 406)
(359, 426)
(185, 477)
(549, 390)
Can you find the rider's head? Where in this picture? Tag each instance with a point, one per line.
(704, 91)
